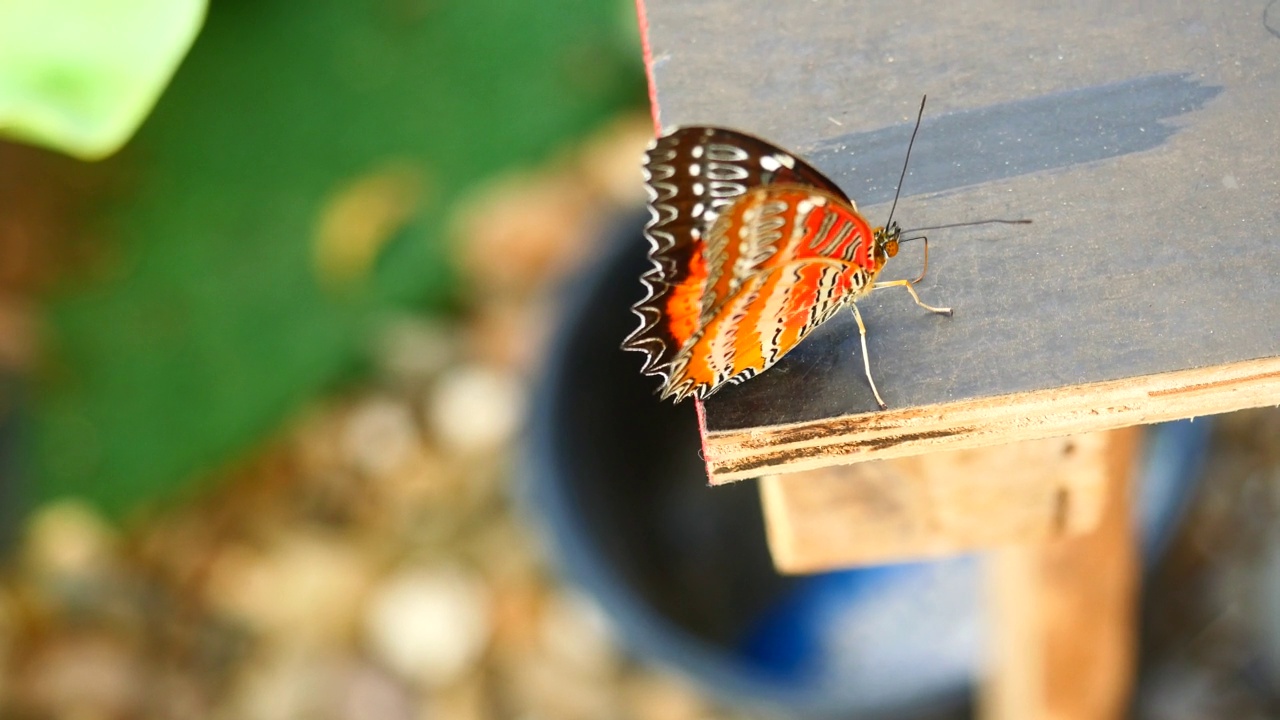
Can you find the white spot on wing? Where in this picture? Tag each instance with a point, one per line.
(695, 169)
(770, 163)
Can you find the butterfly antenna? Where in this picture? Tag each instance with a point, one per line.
(989, 221)
(906, 160)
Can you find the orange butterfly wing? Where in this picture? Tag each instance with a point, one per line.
(775, 265)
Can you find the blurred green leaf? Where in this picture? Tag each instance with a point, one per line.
(210, 322)
(81, 75)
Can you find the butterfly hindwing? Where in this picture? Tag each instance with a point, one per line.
(779, 262)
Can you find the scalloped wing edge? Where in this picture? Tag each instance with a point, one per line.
(662, 266)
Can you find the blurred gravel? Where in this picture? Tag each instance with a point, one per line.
(366, 564)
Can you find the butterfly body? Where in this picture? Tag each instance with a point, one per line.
(751, 250)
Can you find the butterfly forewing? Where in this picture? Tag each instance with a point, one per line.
(693, 175)
(778, 263)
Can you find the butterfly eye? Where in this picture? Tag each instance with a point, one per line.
(891, 247)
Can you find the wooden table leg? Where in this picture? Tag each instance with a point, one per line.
(1062, 616)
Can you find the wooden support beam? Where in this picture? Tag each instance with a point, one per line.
(938, 504)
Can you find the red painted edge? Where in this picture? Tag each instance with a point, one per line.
(702, 436)
(643, 21)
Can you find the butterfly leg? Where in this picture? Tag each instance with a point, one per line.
(911, 289)
(925, 268)
(866, 359)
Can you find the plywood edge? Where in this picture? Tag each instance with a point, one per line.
(982, 422)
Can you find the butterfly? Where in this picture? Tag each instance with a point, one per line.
(751, 249)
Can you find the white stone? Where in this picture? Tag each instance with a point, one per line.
(412, 349)
(474, 409)
(429, 625)
(68, 539)
(380, 435)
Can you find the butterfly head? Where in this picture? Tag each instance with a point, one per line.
(885, 244)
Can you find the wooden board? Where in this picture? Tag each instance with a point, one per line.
(1139, 138)
(1026, 493)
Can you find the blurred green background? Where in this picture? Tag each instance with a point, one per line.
(215, 300)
